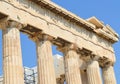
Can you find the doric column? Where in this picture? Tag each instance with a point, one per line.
(72, 69)
(12, 57)
(84, 77)
(46, 72)
(108, 75)
(93, 73)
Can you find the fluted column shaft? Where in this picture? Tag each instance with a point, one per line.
(108, 75)
(12, 58)
(93, 73)
(84, 77)
(72, 69)
(46, 72)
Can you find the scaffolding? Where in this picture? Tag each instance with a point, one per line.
(29, 76)
(1, 80)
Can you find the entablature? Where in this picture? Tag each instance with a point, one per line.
(72, 17)
(65, 32)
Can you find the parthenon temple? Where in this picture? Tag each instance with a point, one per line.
(85, 43)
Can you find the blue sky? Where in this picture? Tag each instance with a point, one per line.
(105, 10)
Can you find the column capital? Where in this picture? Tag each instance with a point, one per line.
(3, 22)
(105, 62)
(40, 37)
(86, 54)
(89, 56)
(10, 24)
(68, 47)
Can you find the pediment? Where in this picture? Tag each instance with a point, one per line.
(96, 22)
(110, 30)
(100, 25)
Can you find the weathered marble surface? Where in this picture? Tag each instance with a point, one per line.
(46, 72)
(27, 12)
(12, 56)
(92, 38)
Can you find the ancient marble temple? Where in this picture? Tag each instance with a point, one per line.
(86, 44)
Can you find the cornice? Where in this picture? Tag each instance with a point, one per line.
(84, 23)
